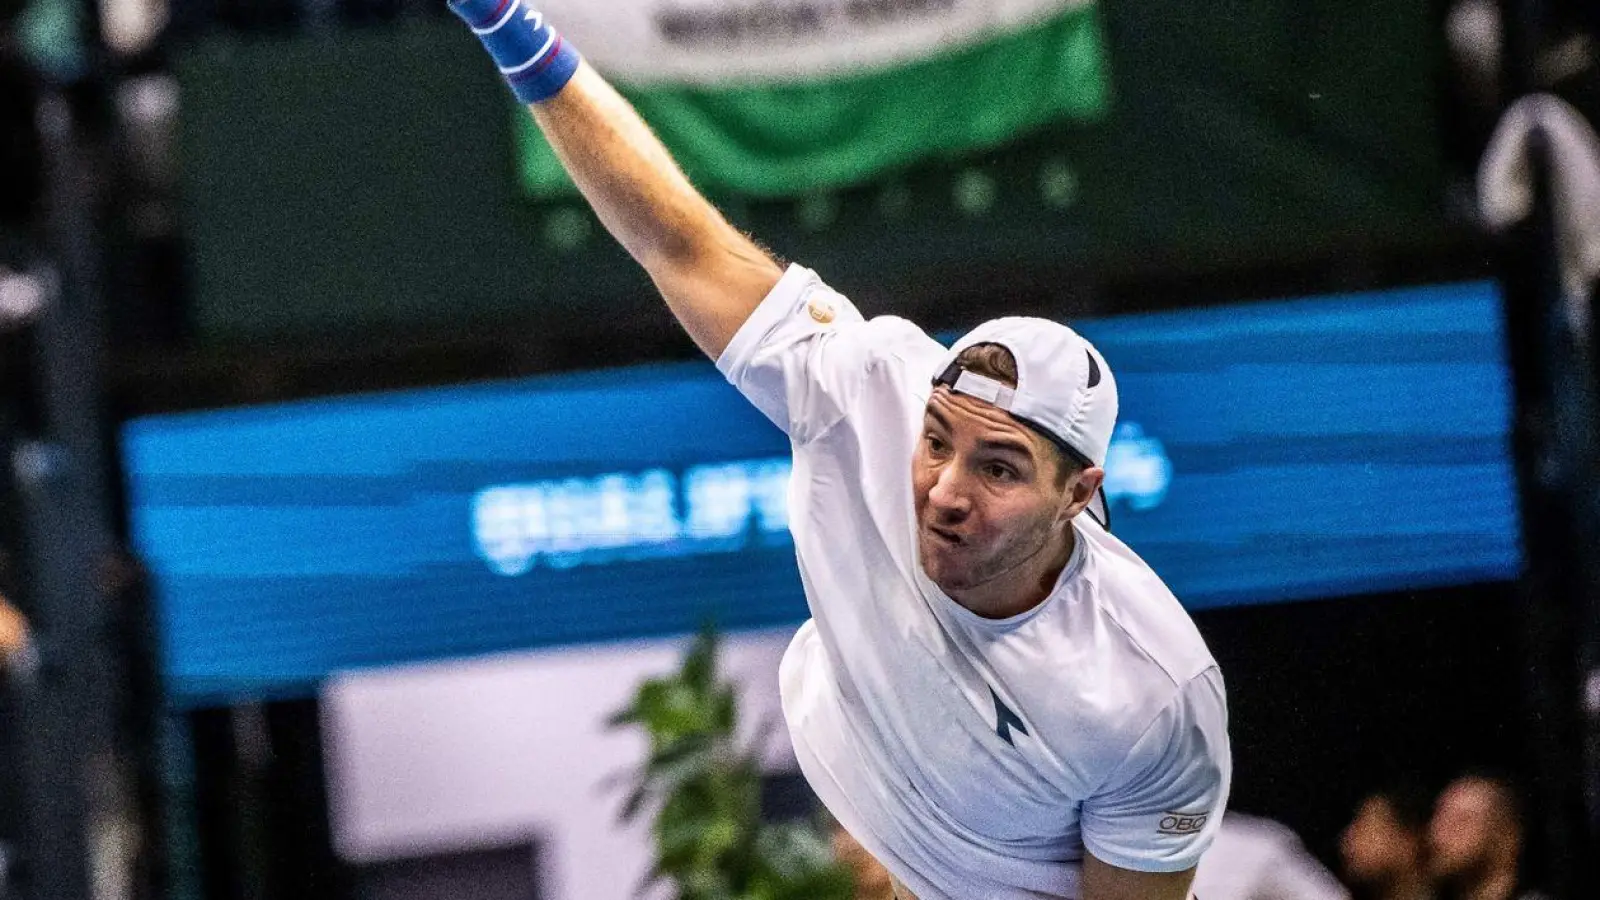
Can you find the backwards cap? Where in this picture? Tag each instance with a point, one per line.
(1064, 387)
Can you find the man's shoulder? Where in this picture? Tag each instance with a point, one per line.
(892, 340)
(1139, 609)
(1125, 651)
(891, 362)
(1101, 703)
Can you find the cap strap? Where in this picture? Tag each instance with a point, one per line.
(984, 388)
(972, 384)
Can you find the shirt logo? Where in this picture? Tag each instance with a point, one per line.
(1006, 720)
(822, 312)
(1181, 824)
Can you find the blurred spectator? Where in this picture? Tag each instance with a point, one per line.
(16, 654)
(18, 658)
(132, 26)
(14, 643)
(1384, 848)
(120, 865)
(1475, 841)
(1259, 859)
(1566, 59)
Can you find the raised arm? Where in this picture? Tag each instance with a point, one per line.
(711, 275)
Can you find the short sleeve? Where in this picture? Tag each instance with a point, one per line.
(1161, 808)
(788, 358)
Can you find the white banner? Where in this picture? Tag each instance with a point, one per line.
(708, 42)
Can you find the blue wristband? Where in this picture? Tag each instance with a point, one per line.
(534, 60)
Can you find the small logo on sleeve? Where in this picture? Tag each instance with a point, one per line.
(822, 310)
(1181, 824)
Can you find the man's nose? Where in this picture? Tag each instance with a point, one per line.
(949, 492)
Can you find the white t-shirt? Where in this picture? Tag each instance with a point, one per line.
(976, 758)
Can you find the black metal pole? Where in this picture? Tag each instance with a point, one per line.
(1548, 441)
(261, 793)
(85, 800)
(58, 470)
(1558, 454)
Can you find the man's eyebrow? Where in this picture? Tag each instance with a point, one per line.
(1007, 445)
(991, 444)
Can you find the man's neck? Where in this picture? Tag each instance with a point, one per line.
(1030, 586)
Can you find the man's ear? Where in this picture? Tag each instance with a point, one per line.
(1080, 492)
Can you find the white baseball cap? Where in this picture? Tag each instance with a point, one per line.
(1064, 387)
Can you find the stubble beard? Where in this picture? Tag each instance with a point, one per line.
(983, 570)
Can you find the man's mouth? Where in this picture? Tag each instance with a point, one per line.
(945, 536)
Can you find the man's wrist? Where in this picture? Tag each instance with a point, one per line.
(535, 60)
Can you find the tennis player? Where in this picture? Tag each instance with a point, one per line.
(994, 695)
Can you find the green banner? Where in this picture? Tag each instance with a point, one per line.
(787, 136)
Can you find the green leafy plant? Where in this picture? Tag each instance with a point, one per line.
(704, 789)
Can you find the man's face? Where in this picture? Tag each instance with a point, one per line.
(1376, 847)
(1467, 823)
(989, 497)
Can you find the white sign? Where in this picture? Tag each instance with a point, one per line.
(712, 41)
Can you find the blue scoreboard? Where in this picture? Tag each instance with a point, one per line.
(1319, 447)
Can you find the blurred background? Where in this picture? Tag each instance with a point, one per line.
(354, 478)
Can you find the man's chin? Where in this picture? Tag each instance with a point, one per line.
(941, 569)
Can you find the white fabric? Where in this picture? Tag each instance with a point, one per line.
(1506, 190)
(1063, 383)
(1259, 859)
(892, 691)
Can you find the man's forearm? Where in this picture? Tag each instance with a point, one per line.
(625, 173)
(710, 273)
